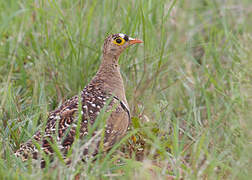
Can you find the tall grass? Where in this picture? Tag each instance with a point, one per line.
(188, 86)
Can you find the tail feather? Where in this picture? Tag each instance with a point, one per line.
(28, 149)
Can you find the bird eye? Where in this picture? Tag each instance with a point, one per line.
(118, 41)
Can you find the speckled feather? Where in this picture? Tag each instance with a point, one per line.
(106, 85)
(93, 100)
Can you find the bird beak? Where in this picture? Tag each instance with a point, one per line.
(134, 41)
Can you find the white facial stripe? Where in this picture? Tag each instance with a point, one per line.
(121, 35)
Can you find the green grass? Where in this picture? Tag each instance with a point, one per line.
(188, 86)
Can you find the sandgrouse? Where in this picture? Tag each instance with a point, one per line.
(105, 87)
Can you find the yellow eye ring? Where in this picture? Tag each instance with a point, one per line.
(119, 41)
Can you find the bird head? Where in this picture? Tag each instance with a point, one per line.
(116, 43)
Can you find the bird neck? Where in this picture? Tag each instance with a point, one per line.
(109, 59)
(109, 73)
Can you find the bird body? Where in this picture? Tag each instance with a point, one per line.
(106, 87)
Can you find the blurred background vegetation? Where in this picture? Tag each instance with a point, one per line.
(189, 85)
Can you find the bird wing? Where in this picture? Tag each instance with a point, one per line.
(65, 118)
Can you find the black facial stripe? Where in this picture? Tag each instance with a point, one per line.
(115, 36)
(126, 38)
